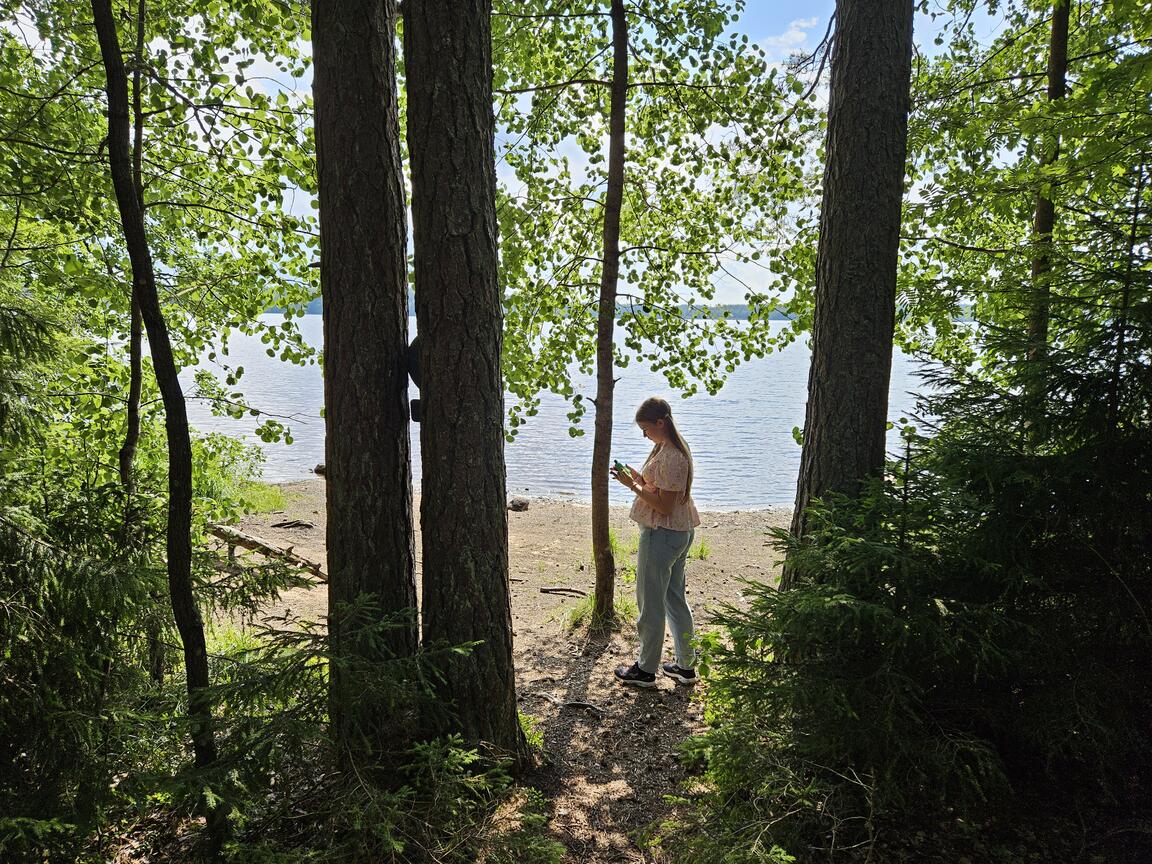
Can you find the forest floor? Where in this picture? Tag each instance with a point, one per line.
(606, 770)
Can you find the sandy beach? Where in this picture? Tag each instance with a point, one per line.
(606, 770)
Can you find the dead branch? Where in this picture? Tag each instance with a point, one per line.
(234, 538)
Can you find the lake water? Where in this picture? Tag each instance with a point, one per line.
(741, 439)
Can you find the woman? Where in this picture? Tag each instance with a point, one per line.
(667, 519)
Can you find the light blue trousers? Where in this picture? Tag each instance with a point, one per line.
(660, 594)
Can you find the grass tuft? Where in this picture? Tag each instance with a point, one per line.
(581, 614)
(613, 542)
(259, 497)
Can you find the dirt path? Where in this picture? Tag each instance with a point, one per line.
(607, 772)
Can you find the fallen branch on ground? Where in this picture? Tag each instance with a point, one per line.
(560, 589)
(293, 523)
(555, 700)
(235, 538)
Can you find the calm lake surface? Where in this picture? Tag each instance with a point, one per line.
(741, 439)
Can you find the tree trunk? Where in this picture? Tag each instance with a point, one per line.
(363, 278)
(463, 501)
(135, 337)
(127, 454)
(846, 417)
(603, 610)
(1044, 217)
(179, 538)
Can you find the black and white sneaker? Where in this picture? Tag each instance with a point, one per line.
(634, 676)
(679, 674)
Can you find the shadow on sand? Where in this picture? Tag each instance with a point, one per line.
(606, 771)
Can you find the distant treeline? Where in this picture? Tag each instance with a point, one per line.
(737, 311)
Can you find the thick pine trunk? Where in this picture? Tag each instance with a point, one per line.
(363, 278)
(179, 537)
(1044, 216)
(463, 510)
(603, 611)
(846, 417)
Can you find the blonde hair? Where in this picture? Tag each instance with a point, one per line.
(653, 409)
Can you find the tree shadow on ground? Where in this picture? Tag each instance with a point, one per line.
(607, 769)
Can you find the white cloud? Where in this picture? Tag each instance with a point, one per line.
(792, 40)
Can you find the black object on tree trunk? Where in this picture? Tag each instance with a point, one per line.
(363, 279)
(463, 515)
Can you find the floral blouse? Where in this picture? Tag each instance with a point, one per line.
(667, 470)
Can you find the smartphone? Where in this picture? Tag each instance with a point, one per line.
(621, 468)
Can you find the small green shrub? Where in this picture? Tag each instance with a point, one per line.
(431, 800)
(621, 548)
(453, 807)
(530, 726)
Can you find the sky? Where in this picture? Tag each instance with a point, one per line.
(798, 25)
(783, 26)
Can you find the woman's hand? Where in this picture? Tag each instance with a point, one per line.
(642, 482)
(630, 478)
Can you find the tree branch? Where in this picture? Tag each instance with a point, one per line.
(569, 83)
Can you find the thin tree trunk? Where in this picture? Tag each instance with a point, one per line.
(135, 382)
(603, 610)
(127, 455)
(846, 416)
(179, 536)
(463, 502)
(1044, 216)
(135, 334)
(363, 278)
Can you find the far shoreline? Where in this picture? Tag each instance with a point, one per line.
(549, 498)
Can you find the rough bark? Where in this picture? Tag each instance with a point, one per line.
(363, 282)
(463, 510)
(179, 539)
(603, 610)
(846, 415)
(1044, 215)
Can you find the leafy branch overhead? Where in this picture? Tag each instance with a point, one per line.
(718, 173)
(981, 126)
(227, 169)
